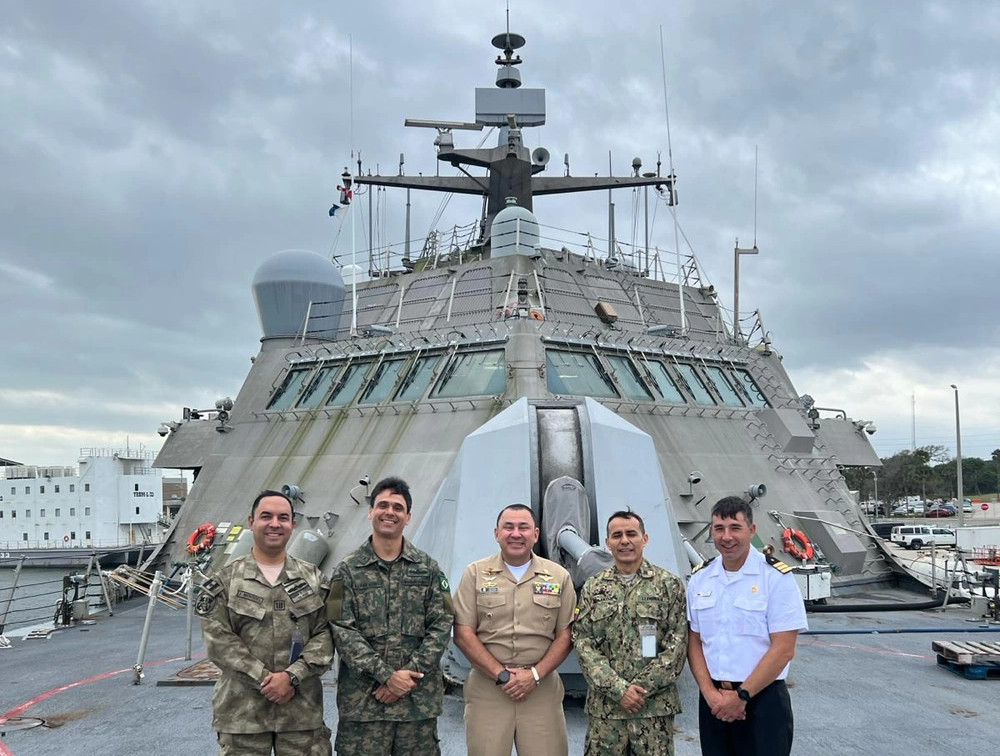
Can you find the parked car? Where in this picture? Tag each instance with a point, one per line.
(911, 536)
(900, 509)
(941, 510)
(967, 506)
(944, 537)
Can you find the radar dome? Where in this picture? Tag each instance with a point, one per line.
(287, 283)
(514, 231)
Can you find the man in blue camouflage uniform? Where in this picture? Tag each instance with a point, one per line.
(391, 611)
(630, 635)
(265, 627)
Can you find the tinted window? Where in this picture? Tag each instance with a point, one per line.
(577, 373)
(628, 377)
(750, 386)
(318, 386)
(664, 382)
(695, 385)
(417, 380)
(474, 374)
(348, 384)
(382, 383)
(289, 389)
(722, 385)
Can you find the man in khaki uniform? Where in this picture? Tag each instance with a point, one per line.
(512, 621)
(265, 626)
(630, 634)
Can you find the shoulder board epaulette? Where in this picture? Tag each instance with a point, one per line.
(778, 564)
(702, 565)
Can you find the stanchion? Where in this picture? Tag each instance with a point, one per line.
(189, 609)
(154, 590)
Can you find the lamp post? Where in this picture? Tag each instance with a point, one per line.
(875, 475)
(958, 461)
(736, 287)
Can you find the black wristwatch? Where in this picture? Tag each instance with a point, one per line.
(503, 676)
(294, 678)
(743, 694)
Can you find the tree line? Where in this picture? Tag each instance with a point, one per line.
(927, 472)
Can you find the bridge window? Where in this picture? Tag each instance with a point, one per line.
(418, 379)
(694, 384)
(628, 377)
(665, 384)
(718, 378)
(349, 383)
(474, 374)
(577, 373)
(318, 386)
(380, 387)
(757, 398)
(284, 397)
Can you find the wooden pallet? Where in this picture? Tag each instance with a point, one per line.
(988, 671)
(968, 652)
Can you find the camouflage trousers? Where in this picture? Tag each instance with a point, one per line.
(418, 738)
(646, 736)
(290, 743)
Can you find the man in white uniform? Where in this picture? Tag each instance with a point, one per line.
(745, 613)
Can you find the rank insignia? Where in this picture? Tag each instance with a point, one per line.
(444, 584)
(279, 605)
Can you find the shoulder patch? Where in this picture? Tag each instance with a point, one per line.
(444, 583)
(778, 564)
(702, 565)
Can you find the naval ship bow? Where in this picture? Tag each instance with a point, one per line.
(500, 368)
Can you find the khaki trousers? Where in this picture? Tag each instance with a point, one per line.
(494, 723)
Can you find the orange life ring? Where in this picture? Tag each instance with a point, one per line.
(202, 538)
(798, 544)
(536, 315)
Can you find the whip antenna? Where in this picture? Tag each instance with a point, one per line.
(673, 194)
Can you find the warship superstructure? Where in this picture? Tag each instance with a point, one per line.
(495, 367)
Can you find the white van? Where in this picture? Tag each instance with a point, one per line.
(911, 536)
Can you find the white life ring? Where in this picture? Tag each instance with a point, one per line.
(65, 539)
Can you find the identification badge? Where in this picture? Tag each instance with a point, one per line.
(647, 637)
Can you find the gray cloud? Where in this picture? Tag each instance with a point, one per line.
(154, 154)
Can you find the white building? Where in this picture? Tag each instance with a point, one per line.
(114, 498)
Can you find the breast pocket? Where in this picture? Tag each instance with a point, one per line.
(490, 607)
(370, 610)
(247, 618)
(751, 617)
(706, 614)
(413, 619)
(548, 605)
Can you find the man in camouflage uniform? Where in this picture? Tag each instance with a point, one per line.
(630, 634)
(265, 626)
(391, 612)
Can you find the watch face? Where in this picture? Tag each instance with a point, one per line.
(744, 695)
(504, 677)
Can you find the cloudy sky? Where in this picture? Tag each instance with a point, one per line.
(155, 153)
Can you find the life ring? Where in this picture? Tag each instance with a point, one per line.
(202, 538)
(798, 544)
(536, 315)
(65, 539)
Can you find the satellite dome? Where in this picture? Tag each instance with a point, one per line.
(514, 231)
(287, 283)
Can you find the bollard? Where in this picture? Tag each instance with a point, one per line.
(154, 591)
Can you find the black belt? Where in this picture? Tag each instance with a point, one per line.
(727, 684)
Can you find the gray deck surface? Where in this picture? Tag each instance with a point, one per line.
(863, 693)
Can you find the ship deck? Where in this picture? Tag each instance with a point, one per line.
(862, 682)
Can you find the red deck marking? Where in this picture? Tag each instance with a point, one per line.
(19, 710)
